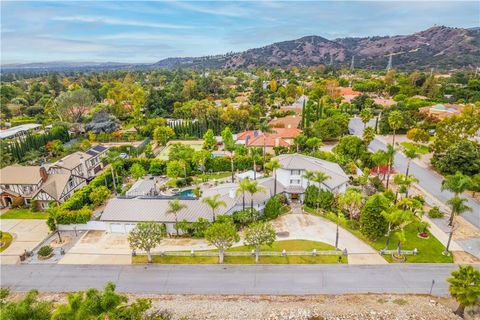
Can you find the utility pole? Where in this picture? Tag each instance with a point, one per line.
(352, 65)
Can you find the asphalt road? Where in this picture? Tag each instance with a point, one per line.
(429, 180)
(232, 279)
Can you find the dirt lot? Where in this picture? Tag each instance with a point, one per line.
(361, 307)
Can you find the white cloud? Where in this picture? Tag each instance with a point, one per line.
(122, 22)
(218, 10)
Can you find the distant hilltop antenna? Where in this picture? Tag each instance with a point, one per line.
(389, 65)
(331, 59)
(352, 65)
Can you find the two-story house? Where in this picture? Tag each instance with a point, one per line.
(83, 164)
(291, 176)
(21, 184)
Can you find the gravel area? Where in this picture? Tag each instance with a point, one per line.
(354, 306)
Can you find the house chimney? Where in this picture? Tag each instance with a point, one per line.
(43, 174)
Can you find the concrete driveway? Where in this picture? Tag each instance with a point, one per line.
(99, 247)
(27, 234)
(304, 226)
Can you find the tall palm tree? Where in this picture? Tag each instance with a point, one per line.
(395, 121)
(242, 188)
(368, 135)
(397, 219)
(174, 206)
(458, 207)
(411, 154)
(309, 175)
(390, 153)
(366, 115)
(403, 182)
(319, 177)
(456, 183)
(273, 165)
(254, 187)
(255, 153)
(214, 203)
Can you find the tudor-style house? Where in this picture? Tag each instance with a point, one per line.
(22, 184)
(83, 164)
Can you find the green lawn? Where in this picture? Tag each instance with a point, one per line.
(6, 240)
(421, 149)
(24, 214)
(278, 246)
(429, 250)
(211, 176)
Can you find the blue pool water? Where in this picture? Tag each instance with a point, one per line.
(186, 193)
(214, 155)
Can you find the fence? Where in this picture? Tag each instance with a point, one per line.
(404, 252)
(284, 253)
(90, 225)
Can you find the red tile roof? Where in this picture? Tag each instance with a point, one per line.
(286, 122)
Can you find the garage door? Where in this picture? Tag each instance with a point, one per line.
(117, 228)
(129, 227)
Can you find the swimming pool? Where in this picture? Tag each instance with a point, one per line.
(186, 193)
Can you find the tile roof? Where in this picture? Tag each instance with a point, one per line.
(286, 122)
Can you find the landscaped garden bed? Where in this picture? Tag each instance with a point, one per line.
(5, 240)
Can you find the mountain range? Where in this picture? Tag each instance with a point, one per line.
(439, 47)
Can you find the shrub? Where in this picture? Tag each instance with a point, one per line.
(435, 213)
(372, 223)
(45, 251)
(353, 224)
(272, 208)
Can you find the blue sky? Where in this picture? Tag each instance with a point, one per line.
(127, 31)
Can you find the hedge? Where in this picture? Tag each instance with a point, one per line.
(74, 217)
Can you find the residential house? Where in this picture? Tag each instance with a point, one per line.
(84, 164)
(286, 122)
(19, 131)
(20, 185)
(279, 137)
(121, 214)
(442, 111)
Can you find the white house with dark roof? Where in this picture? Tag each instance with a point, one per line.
(291, 176)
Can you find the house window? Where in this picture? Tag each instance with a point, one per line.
(7, 186)
(295, 181)
(44, 205)
(296, 172)
(71, 184)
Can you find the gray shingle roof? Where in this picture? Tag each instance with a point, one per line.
(301, 162)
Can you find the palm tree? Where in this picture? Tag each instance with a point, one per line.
(174, 207)
(255, 153)
(242, 188)
(403, 182)
(273, 165)
(397, 220)
(456, 183)
(458, 207)
(214, 203)
(309, 175)
(411, 154)
(319, 177)
(265, 128)
(368, 135)
(395, 121)
(366, 115)
(380, 159)
(254, 187)
(464, 286)
(390, 153)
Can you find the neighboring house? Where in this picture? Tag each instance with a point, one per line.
(143, 187)
(21, 184)
(58, 187)
(291, 175)
(348, 94)
(84, 164)
(279, 137)
(19, 131)
(442, 111)
(286, 122)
